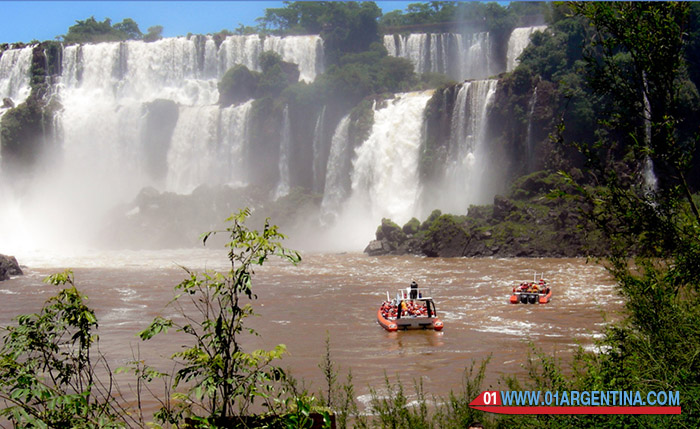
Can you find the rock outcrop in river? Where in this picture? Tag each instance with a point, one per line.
(9, 267)
(528, 222)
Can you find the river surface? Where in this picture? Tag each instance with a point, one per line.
(339, 294)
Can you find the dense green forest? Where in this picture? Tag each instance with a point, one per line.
(617, 89)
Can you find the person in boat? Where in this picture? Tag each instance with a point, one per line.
(414, 290)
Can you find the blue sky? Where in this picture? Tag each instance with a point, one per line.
(23, 21)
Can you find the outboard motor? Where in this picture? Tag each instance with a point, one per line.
(532, 298)
(523, 298)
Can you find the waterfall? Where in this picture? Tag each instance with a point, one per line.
(385, 180)
(439, 54)
(181, 69)
(650, 180)
(460, 56)
(317, 168)
(335, 189)
(14, 79)
(409, 46)
(105, 84)
(518, 41)
(113, 143)
(207, 147)
(285, 149)
(475, 52)
(139, 71)
(458, 123)
(234, 144)
(467, 161)
(14, 75)
(105, 90)
(306, 51)
(529, 142)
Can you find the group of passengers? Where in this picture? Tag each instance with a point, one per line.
(408, 307)
(532, 287)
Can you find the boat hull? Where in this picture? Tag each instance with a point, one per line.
(386, 323)
(408, 322)
(531, 298)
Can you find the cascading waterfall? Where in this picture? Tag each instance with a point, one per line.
(458, 124)
(476, 61)
(460, 56)
(529, 143)
(193, 148)
(104, 91)
(336, 172)
(306, 51)
(650, 180)
(111, 96)
(234, 143)
(411, 47)
(518, 41)
(439, 53)
(14, 79)
(207, 147)
(14, 85)
(317, 167)
(467, 162)
(385, 181)
(14, 75)
(285, 149)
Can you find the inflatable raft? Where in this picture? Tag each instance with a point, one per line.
(411, 309)
(534, 292)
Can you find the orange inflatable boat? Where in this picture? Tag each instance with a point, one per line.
(534, 292)
(411, 309)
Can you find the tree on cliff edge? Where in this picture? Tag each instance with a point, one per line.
(93, 31)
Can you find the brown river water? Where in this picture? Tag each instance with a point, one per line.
(339, 294)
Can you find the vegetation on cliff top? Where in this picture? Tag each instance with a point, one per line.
(91, 30)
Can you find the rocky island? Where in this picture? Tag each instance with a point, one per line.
(530, 221)
(9, 267)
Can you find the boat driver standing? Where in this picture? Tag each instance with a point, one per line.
(414, 290)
